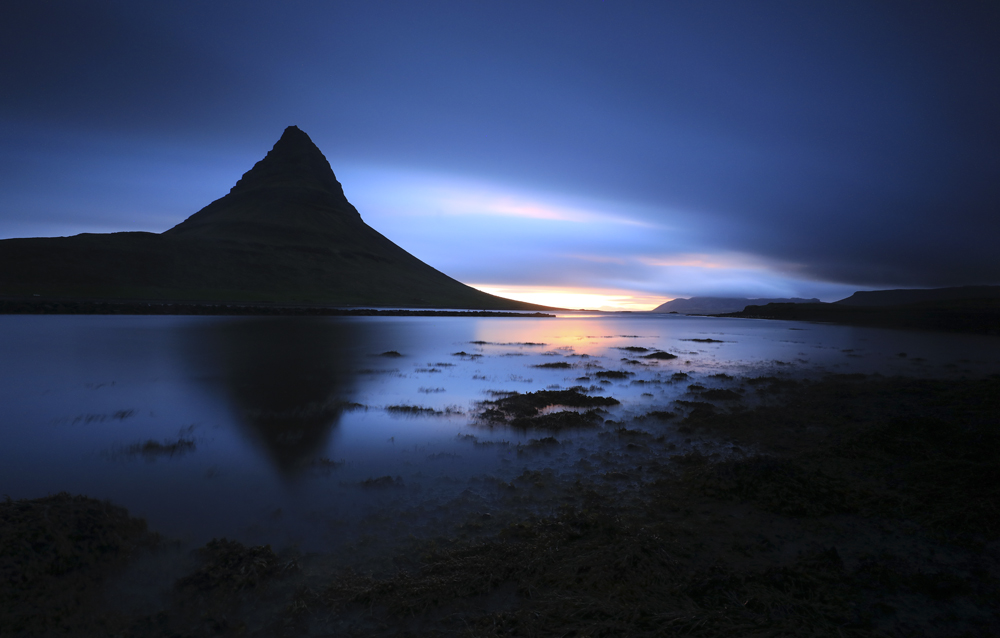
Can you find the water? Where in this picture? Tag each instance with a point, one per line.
(269, 427)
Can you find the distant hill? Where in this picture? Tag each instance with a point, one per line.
(920, 295)
(972, 309)
(718, 305)
(284, 233)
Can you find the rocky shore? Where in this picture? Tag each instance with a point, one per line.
(847, 506)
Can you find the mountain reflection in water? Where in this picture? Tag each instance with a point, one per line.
(288, 380)
(257, 400)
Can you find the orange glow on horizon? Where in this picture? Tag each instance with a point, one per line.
(576, 298)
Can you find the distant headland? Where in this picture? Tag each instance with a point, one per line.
(285, 234)
(718, 305)
(972, 309)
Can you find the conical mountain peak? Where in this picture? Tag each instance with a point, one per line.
(290, 196)
(285, 232)
(294, 162)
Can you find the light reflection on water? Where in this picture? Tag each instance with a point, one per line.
(287, 416)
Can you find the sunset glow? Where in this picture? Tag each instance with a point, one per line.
(728, 261)
(576, 298)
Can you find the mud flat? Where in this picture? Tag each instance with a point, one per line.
(851, 505)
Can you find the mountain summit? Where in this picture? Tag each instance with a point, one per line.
(285, 232)
(291, 193)
(293, 163)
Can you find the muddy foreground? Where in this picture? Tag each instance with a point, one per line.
(850, 506)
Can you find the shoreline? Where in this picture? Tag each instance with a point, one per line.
(76, 307)
(854, 505)
(969, 316)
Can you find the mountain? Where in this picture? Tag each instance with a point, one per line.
(290, 197)
(284, 233)
(971, 309)
(920, 295)
(719, 305)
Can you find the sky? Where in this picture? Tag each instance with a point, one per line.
(584, 153)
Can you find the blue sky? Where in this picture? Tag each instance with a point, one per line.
(582, 153)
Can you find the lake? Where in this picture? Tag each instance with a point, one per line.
(312, 432)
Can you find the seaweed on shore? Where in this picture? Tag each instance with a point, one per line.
(776, 485)
(662, 415)
(55, 554)
(529, 404)
(718, 394)
(412, 410)
(676, 561)
(613, 374)
(229, 566)
(660, 355)
(560, 420)
(866, 509)
(557, 365)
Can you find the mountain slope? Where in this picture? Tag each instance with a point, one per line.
(718, 305)
(285, 232)
(919, 295)
(972, 309)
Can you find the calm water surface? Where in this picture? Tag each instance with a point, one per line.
(270, 426)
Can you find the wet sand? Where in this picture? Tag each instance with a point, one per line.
(850, 505)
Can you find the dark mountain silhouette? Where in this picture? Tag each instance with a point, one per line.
(973, 309)
(718, 305)
(287, 381)
(284, 233)
(919, 295)
(289, 197)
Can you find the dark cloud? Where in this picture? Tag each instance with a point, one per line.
(855, 142)
(102, 65)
